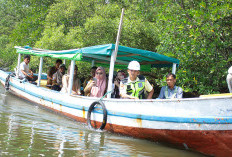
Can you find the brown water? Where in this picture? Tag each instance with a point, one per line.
(29, 130)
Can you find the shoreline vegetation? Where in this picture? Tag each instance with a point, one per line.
(197, 32)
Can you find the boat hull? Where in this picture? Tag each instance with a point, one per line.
(200, 124)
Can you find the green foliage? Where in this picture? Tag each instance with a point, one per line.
(199, 34)
(21, 23)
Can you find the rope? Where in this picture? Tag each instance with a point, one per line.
(104, 95)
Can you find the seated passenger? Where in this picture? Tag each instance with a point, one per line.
(52, 71)
(97, 86)
(134, 86)
(170, 91)
(119, 77)
(57, 78)
(91, 76)
(229, 79)
(76, 88)
(25, 72)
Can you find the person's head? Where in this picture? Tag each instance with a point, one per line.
(121, 75)
(100, 73)
(62, 68)
(58, 63)
(133, 70)
(93, 70)
(171, 80)
(27, 59)
(75, 70)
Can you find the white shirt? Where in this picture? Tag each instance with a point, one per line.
(24, 67)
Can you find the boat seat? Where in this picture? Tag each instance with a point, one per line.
(43, 83)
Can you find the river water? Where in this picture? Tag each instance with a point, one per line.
(30, 130)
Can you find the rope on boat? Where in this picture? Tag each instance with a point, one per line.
(105, 95)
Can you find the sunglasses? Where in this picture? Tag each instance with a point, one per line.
(99, 73)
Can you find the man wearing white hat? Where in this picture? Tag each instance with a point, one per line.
(229, 79)
(135, 85)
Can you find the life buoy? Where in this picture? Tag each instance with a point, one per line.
(91, 108)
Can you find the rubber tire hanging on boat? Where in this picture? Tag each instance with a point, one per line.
(91, 108)
(7, 82)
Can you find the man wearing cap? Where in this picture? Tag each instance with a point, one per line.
(229, 79)
(135, 85)
(57, 78)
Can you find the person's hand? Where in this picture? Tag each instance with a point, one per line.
(93, 83)
(30, 76)
(116, 83)
(132, 97)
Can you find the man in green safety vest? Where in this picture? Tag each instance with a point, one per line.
(135, 86)
(170, 91)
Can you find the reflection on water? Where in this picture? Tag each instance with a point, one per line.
(29, 130)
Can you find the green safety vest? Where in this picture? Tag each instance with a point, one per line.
(135, 89)
(166, 93)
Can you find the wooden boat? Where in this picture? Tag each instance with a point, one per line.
(201, 124)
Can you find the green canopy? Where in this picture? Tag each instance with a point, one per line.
(102, 55)
(65, 54)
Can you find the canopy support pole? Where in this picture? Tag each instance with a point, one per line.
(113, 58)
(18, 66)
(93, 63)
(70, 83)
(64, 61)
(174, 68)
(40, 71)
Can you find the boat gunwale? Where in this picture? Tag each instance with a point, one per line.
(121, 100)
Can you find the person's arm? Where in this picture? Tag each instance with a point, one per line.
(64, 88)
(179, 93)
(128, 96)
(117, 83)
(54, 81)
(26, 74)
(149, 89)
(49, 75)
(77, 88)
(150, 94)
(89, 86)
(161, 95)
(31, 72)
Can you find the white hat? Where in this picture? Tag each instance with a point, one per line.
(134, 65)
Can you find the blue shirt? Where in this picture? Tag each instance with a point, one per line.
(171, 92)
